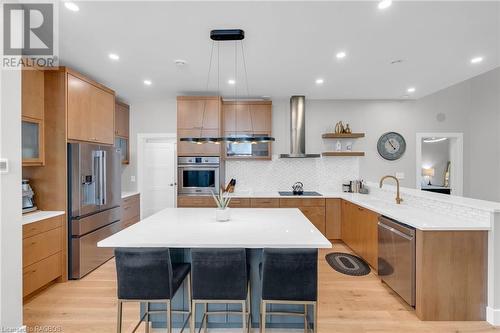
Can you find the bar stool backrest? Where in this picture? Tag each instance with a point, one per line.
(290, 274)
(219, 274)
(144, 273)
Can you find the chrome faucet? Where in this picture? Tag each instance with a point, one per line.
(398, 197)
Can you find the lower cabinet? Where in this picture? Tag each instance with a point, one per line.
(195, 201)
(359, 231)
(312, 208)
(42, 256)
(333, 219)
(131, 210)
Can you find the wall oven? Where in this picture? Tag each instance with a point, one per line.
(198, 175)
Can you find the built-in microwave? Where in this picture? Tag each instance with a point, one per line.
(198, 175)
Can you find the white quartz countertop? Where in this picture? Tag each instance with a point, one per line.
(197, 228)
(127, 194)
(40, 215)
(417, 218)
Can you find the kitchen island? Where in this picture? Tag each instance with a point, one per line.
(184, 228)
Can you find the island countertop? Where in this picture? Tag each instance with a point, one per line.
(197, 228)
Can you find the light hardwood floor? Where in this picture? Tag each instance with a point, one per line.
(346, 304)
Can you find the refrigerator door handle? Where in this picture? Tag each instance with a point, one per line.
(96, 174)
(103, 178)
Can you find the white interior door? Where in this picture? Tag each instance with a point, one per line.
(158, 174)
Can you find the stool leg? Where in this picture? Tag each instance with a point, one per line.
(205, 321)
(244, 315)
(262, 317)
(169, 317)
(146, 328)
(249, 308)
(306, 328)
(190, 307)
(315, 313)
(119, 317)
(193, 316)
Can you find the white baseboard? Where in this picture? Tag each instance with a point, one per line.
(493, 316)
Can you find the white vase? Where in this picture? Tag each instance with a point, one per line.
(222, 215)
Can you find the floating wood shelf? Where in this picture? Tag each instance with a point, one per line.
(343, 135)
(343, 153)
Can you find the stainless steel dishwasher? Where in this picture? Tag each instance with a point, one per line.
(396, 257)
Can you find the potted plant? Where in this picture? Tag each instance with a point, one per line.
(222, 213)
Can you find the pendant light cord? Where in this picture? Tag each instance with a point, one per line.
(246, 84)
(206, 89)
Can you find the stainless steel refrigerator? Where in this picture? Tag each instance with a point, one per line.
(94, 197)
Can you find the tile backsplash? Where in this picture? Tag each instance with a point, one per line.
(319, 174)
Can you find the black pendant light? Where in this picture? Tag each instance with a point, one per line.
(224, 35)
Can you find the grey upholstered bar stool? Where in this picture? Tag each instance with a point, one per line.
(289, 276)
(220, 276)
(148, 275)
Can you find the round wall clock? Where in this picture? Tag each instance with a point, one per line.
(391, 146)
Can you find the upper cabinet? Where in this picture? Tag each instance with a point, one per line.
(198, 116)
(32, 102)
(254, 116)
(91, 111)
(122, 118)
(245, 119)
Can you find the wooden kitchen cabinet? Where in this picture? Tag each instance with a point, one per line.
(122, 119)
(42, 253)
(91, 111)
(245, 116)
(198, 116)
(197, 112)
(312, 208)
(195, 201)
(264, 202)
(359, 231)
(33, 114)
(32, 90)
(131, 210)
(239, 203)
(333, 219)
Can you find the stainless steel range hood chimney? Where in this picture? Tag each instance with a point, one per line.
(298, 129)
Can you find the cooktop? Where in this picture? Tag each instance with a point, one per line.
(304, 194)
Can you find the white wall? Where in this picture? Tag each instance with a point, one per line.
(147, 117)
(10, 201)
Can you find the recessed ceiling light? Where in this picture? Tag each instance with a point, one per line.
(320, 81)
(384, 4)
(231, 81)
(114, 56)
(148, 82)
(476, 60)
(411, 90)
(341, 55)
(180, 62)
(71, 6)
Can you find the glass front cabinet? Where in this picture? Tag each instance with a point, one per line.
(122, 143)
(32, 142)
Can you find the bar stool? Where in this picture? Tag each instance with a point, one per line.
(220, 276)
(148, 275)
(289, 276)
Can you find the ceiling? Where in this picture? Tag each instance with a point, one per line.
(288, 45)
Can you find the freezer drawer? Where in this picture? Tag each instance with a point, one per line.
(80, 227)
(86, 256)
(396, 257)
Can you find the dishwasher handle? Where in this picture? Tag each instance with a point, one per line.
(397, 232)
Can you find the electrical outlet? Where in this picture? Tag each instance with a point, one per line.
(132, 179)
(400, 175)
(4, 165)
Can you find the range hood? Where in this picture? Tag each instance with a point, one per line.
(298, 129)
